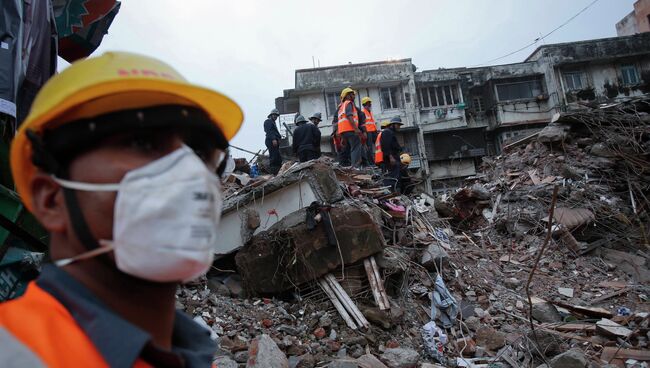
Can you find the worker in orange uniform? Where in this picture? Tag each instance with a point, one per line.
(118, 161)
(370, 127)
(348, 127)
(379, 155)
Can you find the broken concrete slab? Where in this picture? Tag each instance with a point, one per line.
(265, 353)
(370, 361)
(273, 200)
(490, 338)
(609, 327)
(288, 254)
(553, 133)
(544, 311)
(631, 264)
(434, 257)
(225, 362)
(400, 358)
(573, 358)
(343, 363)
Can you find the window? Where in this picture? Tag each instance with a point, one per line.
(332, 103)
(629, 74)
(574, 80)
(439, 96)
(390, 98)
(478, 104)
(519, 90)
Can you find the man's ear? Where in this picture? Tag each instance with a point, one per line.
(47, 203)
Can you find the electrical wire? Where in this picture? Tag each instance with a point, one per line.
(539, 38)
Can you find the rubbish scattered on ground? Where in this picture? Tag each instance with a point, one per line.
(332, 268)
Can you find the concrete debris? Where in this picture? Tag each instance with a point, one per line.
(490, 338)
(467, 261)
(553, 133)
(264, 353)
(225, 362)
(571, 359)
(544, 311)
(400, 358)
(370, 361)
(434, 257)
(271, 267)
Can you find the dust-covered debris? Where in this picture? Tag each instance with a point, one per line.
(457, 270)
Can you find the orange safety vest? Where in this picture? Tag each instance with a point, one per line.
(379, 156)
(370, 121)
(344, 124)
(42, 325)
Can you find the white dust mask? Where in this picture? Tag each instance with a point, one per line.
(165, 219)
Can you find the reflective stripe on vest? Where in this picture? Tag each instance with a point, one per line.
(344, 124)
(43, 325)
(379, 156)
(370, 121)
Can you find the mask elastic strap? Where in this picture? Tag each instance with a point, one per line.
(78, 221)
(90, 254)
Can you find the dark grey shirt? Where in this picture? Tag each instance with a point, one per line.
(271, 130)
(118, 341)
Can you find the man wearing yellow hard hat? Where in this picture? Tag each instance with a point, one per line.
(118, 160)
(370, 126)
(348, 127)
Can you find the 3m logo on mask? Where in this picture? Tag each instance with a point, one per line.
(203, 196)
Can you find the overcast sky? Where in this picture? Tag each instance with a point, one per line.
(249, 50)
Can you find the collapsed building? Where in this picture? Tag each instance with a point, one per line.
(539, 258)
(454, 117)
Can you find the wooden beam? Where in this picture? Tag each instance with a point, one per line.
(380, 282)
(346, 301)
(373, 284)
(337, 304)
(610, 353)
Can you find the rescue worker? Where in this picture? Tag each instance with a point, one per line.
(370, 127)
(405, 182)
(348, 128)
(379, 155)
(391, 151)
(272, 141)
(316, 118)
(306, 140)
(117, 160)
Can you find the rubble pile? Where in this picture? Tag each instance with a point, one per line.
(540, 260)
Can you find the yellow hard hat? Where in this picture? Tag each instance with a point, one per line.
(346, 91)
(385, 124)
(114, 81)
(405, 158)
(365, 100)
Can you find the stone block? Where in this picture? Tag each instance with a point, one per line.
(289, 254)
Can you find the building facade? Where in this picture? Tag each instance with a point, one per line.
(638, 21)
(454, 117)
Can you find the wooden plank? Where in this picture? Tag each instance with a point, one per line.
(610, 353)
(533, 176)
(611, 328)
(341, 298)
(373, 284)
(521, 141)
(380, 282)
(609, 295)
(346, 301)
(572, 327)
(588, 311)
(337, 304)
(614, 284)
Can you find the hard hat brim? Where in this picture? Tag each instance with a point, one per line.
(223, 112)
